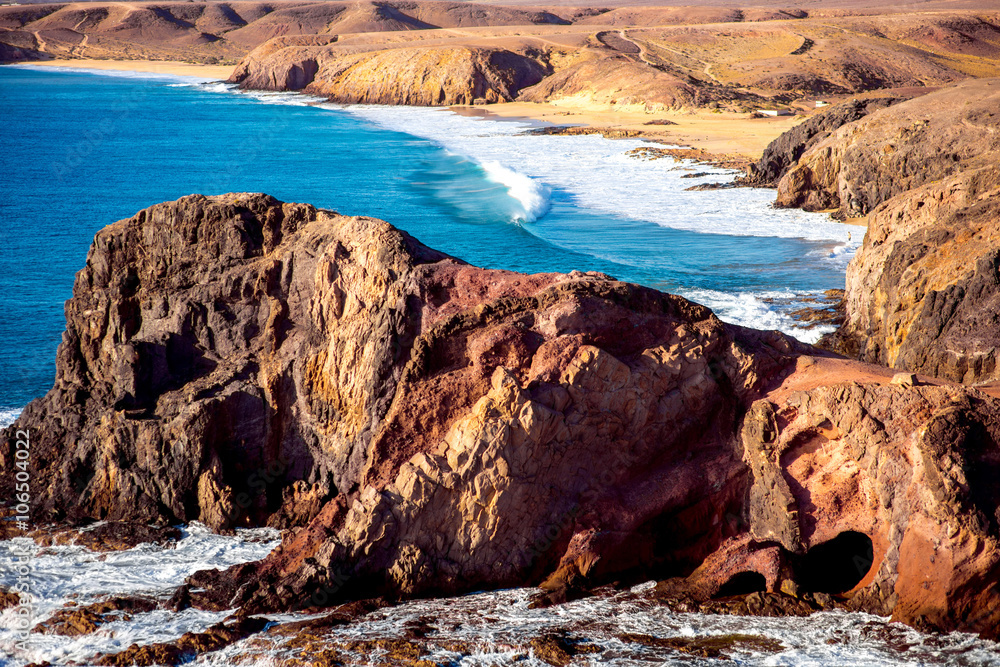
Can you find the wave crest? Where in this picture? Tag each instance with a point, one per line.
(534, 197)
(8, 416)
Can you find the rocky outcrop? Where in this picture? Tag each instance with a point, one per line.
(440, 428)
(281, 63)
(784, 152)
(222, 363)
(418, 76)
(882, 491)
(236, 360)
(885, 154)
(921, 291)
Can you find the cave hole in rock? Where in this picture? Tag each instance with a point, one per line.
(742, 583)
(838, 565)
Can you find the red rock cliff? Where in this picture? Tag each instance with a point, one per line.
(432, 427)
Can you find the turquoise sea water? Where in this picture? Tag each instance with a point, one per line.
(79, 150)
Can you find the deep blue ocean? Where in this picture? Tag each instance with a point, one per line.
(80, 150)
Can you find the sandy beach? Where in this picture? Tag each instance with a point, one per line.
(719, 133)
(153, 66)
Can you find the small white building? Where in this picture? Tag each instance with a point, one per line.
(774, 112)
(821, 103)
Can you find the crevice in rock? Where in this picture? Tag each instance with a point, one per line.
(838, 565)
(742, 583)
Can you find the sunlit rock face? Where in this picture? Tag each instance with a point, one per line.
(429, 427)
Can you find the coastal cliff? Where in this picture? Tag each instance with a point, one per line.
(592, 60)
(922, 289)
(429, 427)
(413, 76)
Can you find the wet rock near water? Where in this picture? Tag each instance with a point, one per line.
(430, 428)
(702, 157)
(9, 598)
(559, 650)
(708, 647)
(106, 535)
(572, 130)
(186, 648)
(73, 620)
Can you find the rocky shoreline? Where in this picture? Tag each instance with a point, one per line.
(428, 428)
(420, 427)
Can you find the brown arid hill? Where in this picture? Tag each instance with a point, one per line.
(784, 152)
(429, 427)
(416, 52)
(738, 64)
(224, 31)
(922, 292)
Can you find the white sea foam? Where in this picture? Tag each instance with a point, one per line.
(599, 175)
(761, 310)
(62, 573)
(8, 415)
(532, 195)
(281, 97)
(182, 79)
(497, 626)
(208, 86)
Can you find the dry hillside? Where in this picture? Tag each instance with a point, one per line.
(446, 52)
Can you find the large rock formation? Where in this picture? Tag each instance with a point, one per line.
(432, 427)
(223, 362)
(419, 76)
(783, 153)
(885, 491)
(922, 291)
(238, 360)
(884, 154)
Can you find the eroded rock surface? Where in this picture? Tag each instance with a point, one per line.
(224, 361)
(865, 163)
(442, 428)
(880, 494)
(922, 292)
(414, 76)
(784, 152)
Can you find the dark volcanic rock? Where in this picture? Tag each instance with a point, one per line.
(784, 152)
(185, 649)
(107, 535)
(217, 367)
(444, 428)
(922, 291)
(73, 621)
(9, 598)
